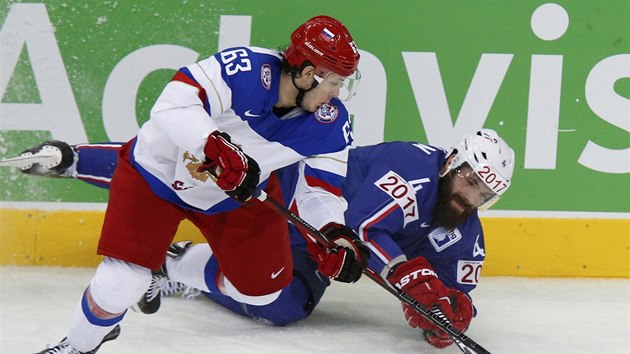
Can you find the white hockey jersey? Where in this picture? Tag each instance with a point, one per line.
(233, 91)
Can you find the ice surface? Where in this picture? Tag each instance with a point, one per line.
(516, 315)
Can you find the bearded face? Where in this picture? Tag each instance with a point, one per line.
(451, 208)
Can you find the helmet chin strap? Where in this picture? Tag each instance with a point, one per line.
(448, 164)
(301, 92)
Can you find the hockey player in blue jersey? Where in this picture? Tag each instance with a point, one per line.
(218, 131)
(414, 205)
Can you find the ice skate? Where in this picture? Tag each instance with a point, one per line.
(65, 348)
(162, 286)
(51, 159)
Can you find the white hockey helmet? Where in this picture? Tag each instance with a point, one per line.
(490, 157)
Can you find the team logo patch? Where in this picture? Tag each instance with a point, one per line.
(441, 238)
(327, 113)
(192, 165)
(265, 76)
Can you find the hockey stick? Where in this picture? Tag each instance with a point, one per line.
(465, 344)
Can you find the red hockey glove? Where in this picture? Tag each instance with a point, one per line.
(417, 278)
(458, 308)
(346, 261)
(238, 174)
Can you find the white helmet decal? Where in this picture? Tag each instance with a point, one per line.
(489, 156)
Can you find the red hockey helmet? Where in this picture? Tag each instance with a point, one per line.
(326, 43)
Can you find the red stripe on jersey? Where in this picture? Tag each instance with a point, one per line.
(380, 250)
(203, 96)
(364, 229)
(97, 147)
(316, 182)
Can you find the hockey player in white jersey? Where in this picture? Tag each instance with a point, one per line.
(414, 205)
(238, 115)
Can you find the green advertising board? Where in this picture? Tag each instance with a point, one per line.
(552, 78)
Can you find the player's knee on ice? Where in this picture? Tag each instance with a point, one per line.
(295, 302)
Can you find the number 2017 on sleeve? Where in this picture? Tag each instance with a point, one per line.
(468, 272)
(401, 192)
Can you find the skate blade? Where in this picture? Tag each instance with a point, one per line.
(26, 161)
(135, 308)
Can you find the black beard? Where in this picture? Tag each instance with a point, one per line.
(444, 215)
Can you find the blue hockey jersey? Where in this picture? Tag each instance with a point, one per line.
(391, 191)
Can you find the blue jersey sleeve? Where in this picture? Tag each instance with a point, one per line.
(251, 76)
(389, 187)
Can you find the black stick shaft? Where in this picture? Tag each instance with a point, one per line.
(465, 343)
